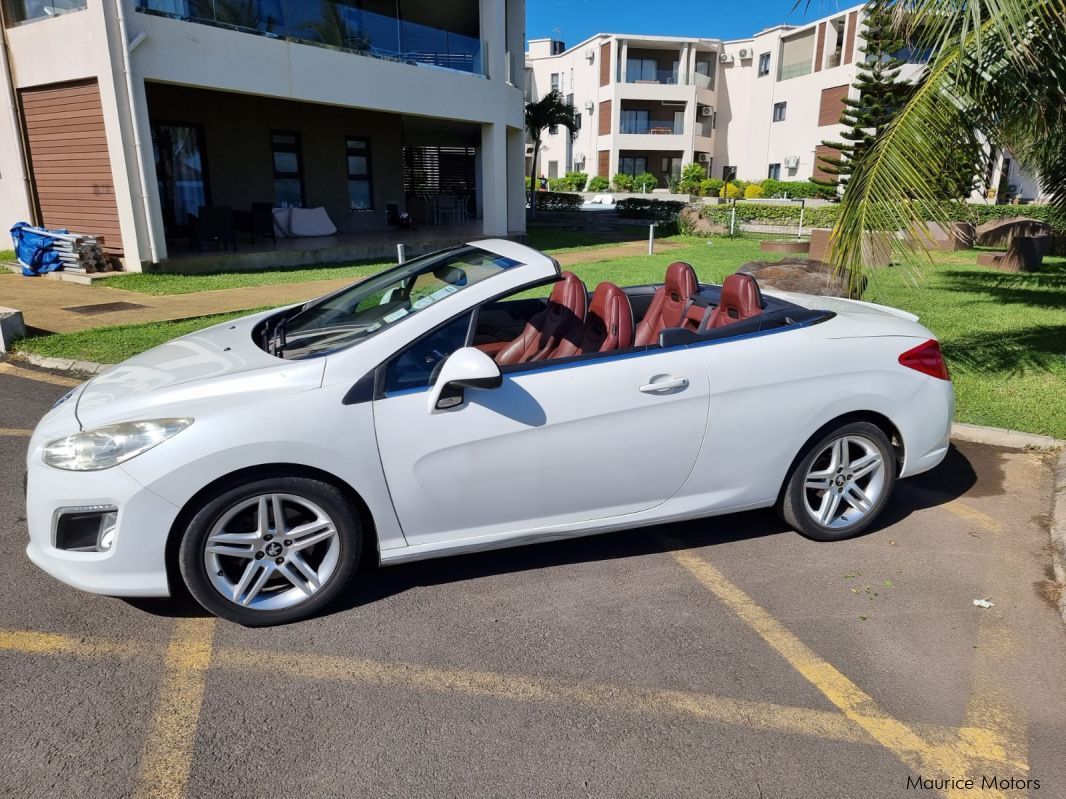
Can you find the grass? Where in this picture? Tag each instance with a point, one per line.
(177, 283)
(1004, 334)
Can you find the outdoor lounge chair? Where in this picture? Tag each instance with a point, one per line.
(214, 223)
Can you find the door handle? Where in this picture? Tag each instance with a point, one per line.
(661, 386)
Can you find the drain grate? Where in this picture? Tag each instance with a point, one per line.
(104, 307)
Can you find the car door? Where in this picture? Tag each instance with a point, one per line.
(555, 444)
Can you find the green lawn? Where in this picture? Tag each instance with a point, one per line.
(1004, 334)
(175, 283)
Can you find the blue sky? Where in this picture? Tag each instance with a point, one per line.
(722, 19)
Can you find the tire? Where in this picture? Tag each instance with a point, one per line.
(844, 461)
(277, 577)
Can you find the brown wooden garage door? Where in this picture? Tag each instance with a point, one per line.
(69, 159)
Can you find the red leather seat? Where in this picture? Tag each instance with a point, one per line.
(608, 326)
(668, 306)
(741, 299)
(562, 319)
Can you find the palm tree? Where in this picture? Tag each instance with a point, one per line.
(995, 79)
(549, 111)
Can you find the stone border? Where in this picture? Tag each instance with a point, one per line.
(1001, 437)
(1058, 529)
(62, 364)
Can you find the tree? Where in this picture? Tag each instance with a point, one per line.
(549, 111)
(994, 78)
(881, 93)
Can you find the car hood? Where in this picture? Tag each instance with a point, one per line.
(217, 362)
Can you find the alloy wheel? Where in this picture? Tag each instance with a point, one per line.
(271, 551)
(844, 482)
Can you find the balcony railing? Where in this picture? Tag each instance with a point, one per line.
(19, 11)
(335, 25)
(665, 127)
(704, 129)
(795, 70)
(834, 60)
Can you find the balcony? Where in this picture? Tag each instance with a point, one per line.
(335, 25)
(660, 127)
(18, 11)
(795, 70)
(834, 60)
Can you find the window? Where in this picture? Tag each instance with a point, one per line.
(641, 69)
(416, 366)
(555, 81)
(779, 112)
(764, 64)
(181, 171)
(774, 172)
(360, 197)
(288, 169)
(729, 173)
(553, 169)
(632, 165)
(577, 121)
(635, 121)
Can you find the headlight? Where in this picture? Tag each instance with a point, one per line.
(111, 445)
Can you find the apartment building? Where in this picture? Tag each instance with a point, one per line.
(748, 108)
(126, 117)
(646, 103)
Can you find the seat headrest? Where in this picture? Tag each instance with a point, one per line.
(681, 281)
(570, 292)
(611, 306)
(740, 293)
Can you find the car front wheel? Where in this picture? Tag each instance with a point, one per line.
(271, 551)
(841, 484)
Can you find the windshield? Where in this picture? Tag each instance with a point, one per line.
(351, 315)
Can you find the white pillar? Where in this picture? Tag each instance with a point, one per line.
(623, 59)
(494, 37)
(516, 184)
(494, 179)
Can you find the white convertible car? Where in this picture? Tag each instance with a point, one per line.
(470, 399)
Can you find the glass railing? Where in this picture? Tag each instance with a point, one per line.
(661, 76)
(335, 25)
(663, 127)
(704, 129)
(833, 60)
(795, 70)
(19, 11)
(703, 81)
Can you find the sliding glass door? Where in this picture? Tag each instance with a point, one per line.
(181, 170)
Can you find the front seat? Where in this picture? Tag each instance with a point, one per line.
(741, 299)
(668, 306)
(608, 325)
(562, 318)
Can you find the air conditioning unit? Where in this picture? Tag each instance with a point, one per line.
(744, 53)
(707, 111)
(590, 55)
(589, 106)
(725, 58)
(704, 158)
(792, 161)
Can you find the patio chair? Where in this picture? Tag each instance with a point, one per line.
(257, 222)
(214, 223)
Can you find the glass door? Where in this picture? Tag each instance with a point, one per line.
(181, 171)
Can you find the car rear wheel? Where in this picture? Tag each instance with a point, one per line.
(272, 551)
(841, 484)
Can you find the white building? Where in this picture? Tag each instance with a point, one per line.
(127, 116)
(748, 108)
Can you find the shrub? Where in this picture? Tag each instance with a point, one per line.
(753, 192)
(644, 182)
(622, 182)
(797, 189)
(730, 191)
(598, 183)
(709, 187)
(529, 183)
(691, 175)
(577, 180)
(559, 184)
(767, 214)
(558, 201)
(641, 208)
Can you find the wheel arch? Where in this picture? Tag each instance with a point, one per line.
(258, 472)
(886, 425)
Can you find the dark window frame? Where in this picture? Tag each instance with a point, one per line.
(296, 149)
(780, 111)
(773, 171)
(764, 64)
(368, 178)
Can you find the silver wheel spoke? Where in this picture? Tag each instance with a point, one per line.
(231, 550)
(246, 579)
(310, 534)
(830, 503)
(262, 520)
(257, 586)
(818, 483)
(310, 575)
(840, 454)
(857, 498)
(279, 515)
(864, 465)
(293, 576)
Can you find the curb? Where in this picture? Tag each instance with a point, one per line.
(1001, 437)
(63, 364)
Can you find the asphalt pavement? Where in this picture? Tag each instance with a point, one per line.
(727, 657)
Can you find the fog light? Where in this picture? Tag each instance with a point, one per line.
(86, 529)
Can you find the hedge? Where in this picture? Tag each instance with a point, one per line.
(640, 208)
(558, 201)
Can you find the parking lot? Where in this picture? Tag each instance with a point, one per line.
(722, 658)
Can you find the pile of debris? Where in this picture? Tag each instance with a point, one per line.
(42, 250)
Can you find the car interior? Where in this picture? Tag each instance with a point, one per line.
(573, 322)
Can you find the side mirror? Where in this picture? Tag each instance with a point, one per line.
(465, 368)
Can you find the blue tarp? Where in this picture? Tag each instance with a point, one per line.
(34, 250)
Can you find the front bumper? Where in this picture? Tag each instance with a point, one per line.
(136, 563)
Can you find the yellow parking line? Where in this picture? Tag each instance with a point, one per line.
(964, 511)
(40, 377)
(167, 756)
(37, 643)
(924, 758)
(17, 432)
